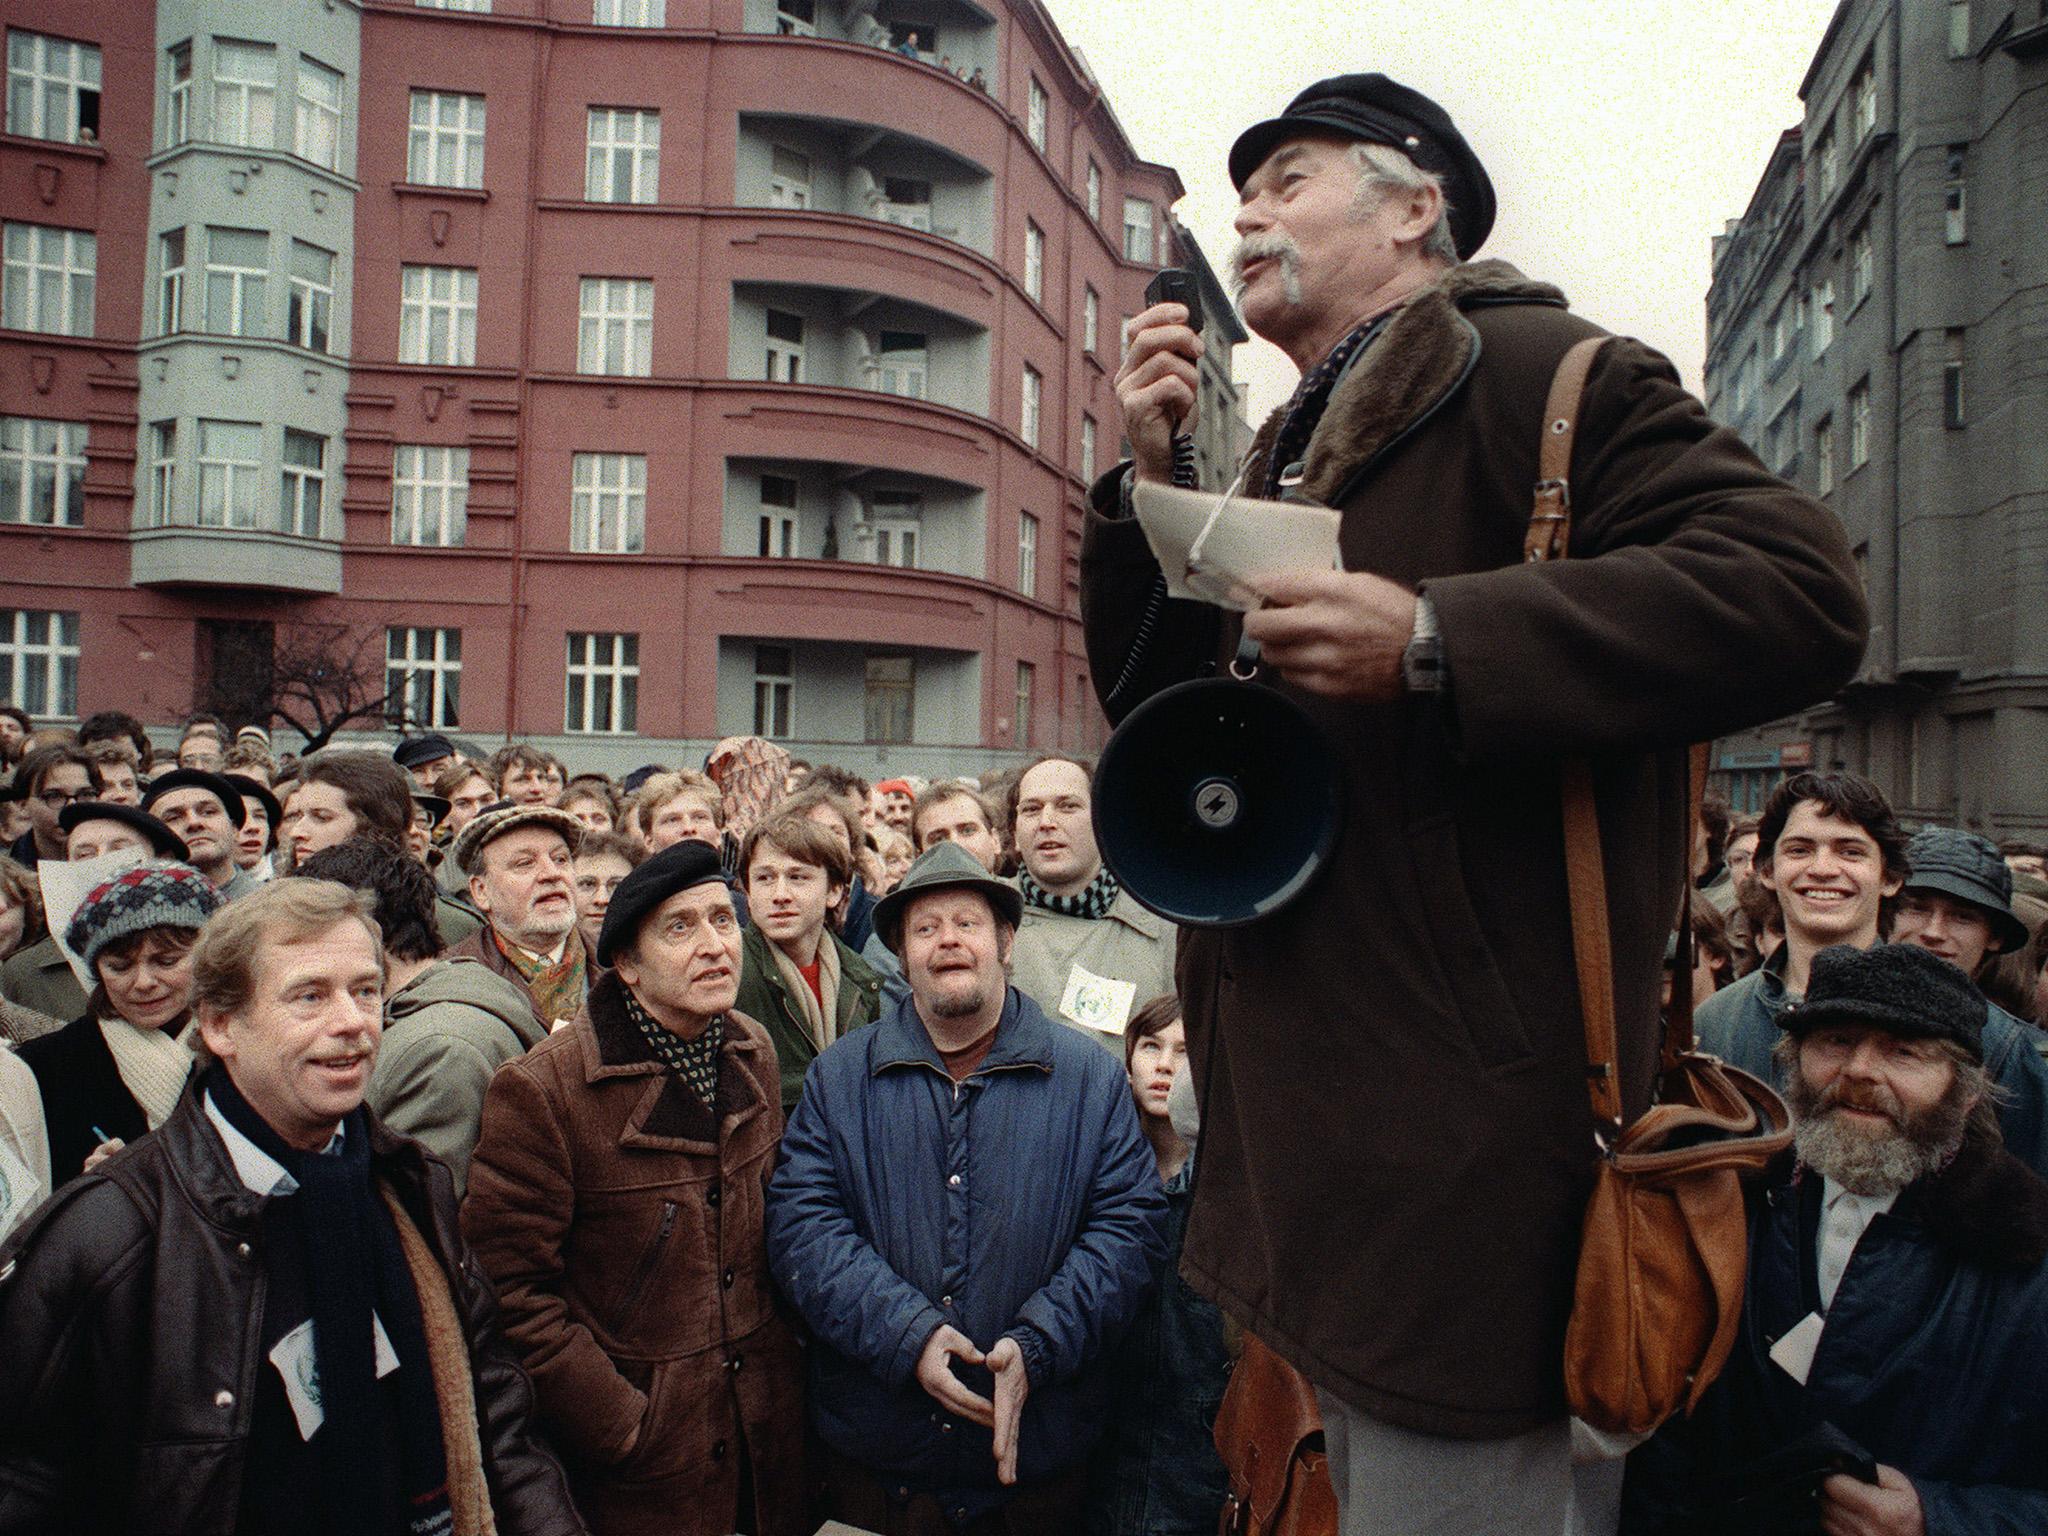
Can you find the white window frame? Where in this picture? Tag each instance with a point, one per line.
(622, 155)
(245, 104)
(1824, 153)
(423, 667)
(629, 13)
(1037, 108)
(790, 187)
(1859, 425)
(321, 96)
(444, 125)
(1955, 198)
(437, 295)
(1863, 102)
(615, 327)
(1091, 319)
(1959, 29)
(302, 488)
(163, 474)
(608, 503)
(1862, 263)
(178, 94)
(1027, 554)
(1137, 229)
(48, 79)
(1034, 262)
(778, 524)
(1823, 316)
(37, 456)
(775, 692)
(34, 259)
(1030, 416)
(887, 695)
(170, 281)
(1027, 689)
(474, 7)
(429, 495)
(230, 483)
(1087, 448)
(39, 653)
(1824, 455)
(914, 214)
(1094, 185)
(240, 311)
(897, 521)
(601, 689)
(784, 356)
(903, 371)
(309, 302)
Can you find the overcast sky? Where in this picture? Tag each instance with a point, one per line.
(1620, 134)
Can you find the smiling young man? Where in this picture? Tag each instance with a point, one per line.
(798, 978)
(206, 811)
(269, 1234)
(521, 865)
(616, 1199)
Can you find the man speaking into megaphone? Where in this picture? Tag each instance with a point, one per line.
(1395, 1149)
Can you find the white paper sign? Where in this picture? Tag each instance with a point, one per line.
(1209, 556)
(1794, 1352)
(294, 1358)
(65, 887)
(1097, 1002)
(20, 1190)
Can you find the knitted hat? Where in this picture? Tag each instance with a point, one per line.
(488, 826)
(1970, 868)
(676, 868)
(158, 894)
(1899, 988)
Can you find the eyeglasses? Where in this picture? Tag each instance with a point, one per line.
(57, 799)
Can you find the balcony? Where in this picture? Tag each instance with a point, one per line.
(831, 165)
(256, 558)
(852, 339)
(953, 35)
(790, 509)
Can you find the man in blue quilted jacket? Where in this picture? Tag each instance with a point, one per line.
(966, 1215)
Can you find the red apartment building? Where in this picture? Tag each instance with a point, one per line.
(665, 369)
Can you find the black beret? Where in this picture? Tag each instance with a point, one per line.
(257, 790)
(1376, 110)
(676, 868)
(166, 843)
(418, 751)
(197, 778)
(1899, 988)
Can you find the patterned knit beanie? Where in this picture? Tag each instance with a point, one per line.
(158, 894)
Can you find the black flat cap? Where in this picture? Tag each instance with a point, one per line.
(1376, 110)
(1899, 988)
(166, 843)
(418, 751)
(1968, 867)
(676, 868)
(197, 778)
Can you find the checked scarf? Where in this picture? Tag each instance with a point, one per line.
(1093, 902)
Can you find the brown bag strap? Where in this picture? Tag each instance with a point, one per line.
(1550, 521)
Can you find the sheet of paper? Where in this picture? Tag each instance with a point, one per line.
(65, 887)
(1794, 1352)
(1249, 536)
(293, 1357)
(1097, 1002)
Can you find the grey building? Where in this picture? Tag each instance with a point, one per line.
(1874, 330)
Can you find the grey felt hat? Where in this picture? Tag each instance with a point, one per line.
(942, 867)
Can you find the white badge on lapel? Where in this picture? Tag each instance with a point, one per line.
(293, 1356)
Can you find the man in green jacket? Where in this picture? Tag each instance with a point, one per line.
(797, 977)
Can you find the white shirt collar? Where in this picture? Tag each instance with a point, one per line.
(260, 1172)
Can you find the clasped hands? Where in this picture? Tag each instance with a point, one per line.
(1005, 1362)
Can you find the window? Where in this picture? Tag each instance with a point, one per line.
(778, 517)
(39, 660)
(480, 7)
(309, 312)
(1094, 190)
(1137, 229)
(42, 472)
(1779, 332)
(1034, 389)
(1781, 441)
(178, 94)
(891, 691)
(1863, 101)
(1027, 680)
(774, 690)
(437, 316)
(785, 347)
(630, 13)
(429, 495)
(1859, 425)
(1027, 555)
(1823, 316)
(623, 159)
(1745, 380)
(423, 676)
(1859, 264)
(163, 473)
(1034, 262)
(1824, 456)
(1091, 318)
(1087, 447)
(1034, 115)
(230, 459)
(53, 88)
(1955, 198)
(603, 693)
(317, 134)
(608, 503)
(1959, 29)
(302, 493)
(898, 517)
(237, 261)
(170, 282)
(789, 178)
(913, 41)
(1824, 159)
(244, 94)
(47, 279)
(444, 146)
(1952, 383)
(615, 326)
(907, 202)
(902, 364)
(796, 18)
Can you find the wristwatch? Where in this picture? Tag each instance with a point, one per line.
(1422, 661)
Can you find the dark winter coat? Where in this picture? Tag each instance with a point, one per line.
(764, 996)
(82, 1090)
(131, 1305)
(621, 1221)
(1396, 1138)
(1934, 1358)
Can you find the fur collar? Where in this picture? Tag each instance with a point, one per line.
(668, 1114)
(1426, 351)
(1986, 1205)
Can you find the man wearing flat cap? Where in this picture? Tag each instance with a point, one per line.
(1896, 1288)
(615, 1198)
(1408, 1237)
(968, 1217)
(425, 757)
(519, 860)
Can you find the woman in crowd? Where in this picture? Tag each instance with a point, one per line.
(117, 1070)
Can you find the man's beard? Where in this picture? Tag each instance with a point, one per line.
(1274, 244)
(1875, 1160)
(958, 1005)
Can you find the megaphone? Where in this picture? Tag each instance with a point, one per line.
(1216, 802)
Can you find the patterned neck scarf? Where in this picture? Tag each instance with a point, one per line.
(694, 1061)
(1092, 903)
(1312, 397)
(556, 987)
